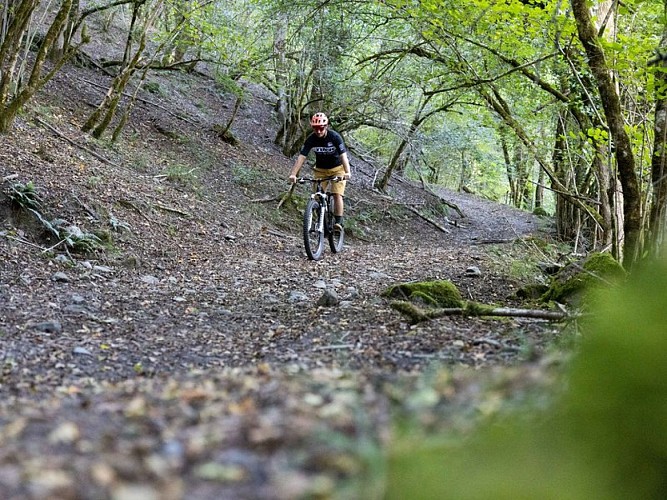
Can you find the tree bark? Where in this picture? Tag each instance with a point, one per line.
(657, 217)
(19, 26)
(623, 150)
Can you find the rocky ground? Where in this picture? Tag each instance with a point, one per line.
(191, 358)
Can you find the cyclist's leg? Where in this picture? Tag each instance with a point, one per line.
(338, 190)
(339, 205)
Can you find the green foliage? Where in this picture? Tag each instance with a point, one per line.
(73, 237)
(575, 282)
(605, 437)
(522, 259)
(153, 88)
(183, 174)
(246, 176)
(25, 195)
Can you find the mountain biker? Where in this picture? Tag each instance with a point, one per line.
(330, 160)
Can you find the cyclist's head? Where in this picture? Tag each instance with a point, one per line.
(319, 122)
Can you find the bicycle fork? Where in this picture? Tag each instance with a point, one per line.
(322, 214)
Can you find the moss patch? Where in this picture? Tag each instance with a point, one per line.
(412, 312)
(573, 284)
(438, 293)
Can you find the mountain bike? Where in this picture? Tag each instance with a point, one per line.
(318, 220)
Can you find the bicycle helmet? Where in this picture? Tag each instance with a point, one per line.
(319, 120)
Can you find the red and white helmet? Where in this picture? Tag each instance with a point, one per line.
(319, 120)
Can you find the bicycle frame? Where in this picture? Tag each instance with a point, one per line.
(321, 204)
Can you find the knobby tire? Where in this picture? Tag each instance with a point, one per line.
(336, 238)
(313, 240)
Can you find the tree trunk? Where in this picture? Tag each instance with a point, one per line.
(15, 88)
(565, 210)
(623, 150)
(498, 105)
(100, 119)
(658, 212)
(538, 200)
(509, 169)
(463, 176)
(414, 126)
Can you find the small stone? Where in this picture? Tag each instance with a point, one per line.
(473, 271)
(52, 326)
(295, 296)
(67, 432)
(328, 299)
(103, 269)
(150, 280)
(77, 299)
(60, 277)
(62, 259)
(81, 350)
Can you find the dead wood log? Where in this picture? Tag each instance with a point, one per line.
(418, 315)
(146, 101)
(427, 219)
(267, 199)
(426, 188)
(173, 210)
(286, 196)
(76, 144)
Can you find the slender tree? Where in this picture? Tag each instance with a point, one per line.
(21, 77)
(658, 214)
(624, 154)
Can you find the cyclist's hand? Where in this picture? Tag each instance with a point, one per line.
(346, 177)
(292, 179)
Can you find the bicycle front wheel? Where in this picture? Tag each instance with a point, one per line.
(313, 239)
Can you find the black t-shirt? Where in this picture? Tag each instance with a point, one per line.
(327, 149)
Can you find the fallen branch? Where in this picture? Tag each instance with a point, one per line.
(430, 221)
(128, 203)
(74, 143)
(426, 188)
(286, 196)
(145, 101)
(333, 347)
(266, 199)
(21, 240)
(173, 210)
(417, 314)
(280, 235)
(493, 241)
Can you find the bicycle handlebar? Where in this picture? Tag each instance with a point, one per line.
(336, 178)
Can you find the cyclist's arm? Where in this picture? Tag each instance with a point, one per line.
(346, 165)
(297, 166)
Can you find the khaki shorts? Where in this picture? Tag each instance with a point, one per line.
(336, 187)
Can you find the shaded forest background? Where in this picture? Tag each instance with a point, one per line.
(549, 106)
(161, 383)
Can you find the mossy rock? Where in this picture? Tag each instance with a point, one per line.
(573, 284)
(531, 291)
(438, 293)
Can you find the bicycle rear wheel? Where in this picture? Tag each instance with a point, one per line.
(313, 239)
(336, 238)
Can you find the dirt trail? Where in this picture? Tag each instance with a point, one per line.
(192, 360)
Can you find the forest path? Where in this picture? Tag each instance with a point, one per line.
(191, 359)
